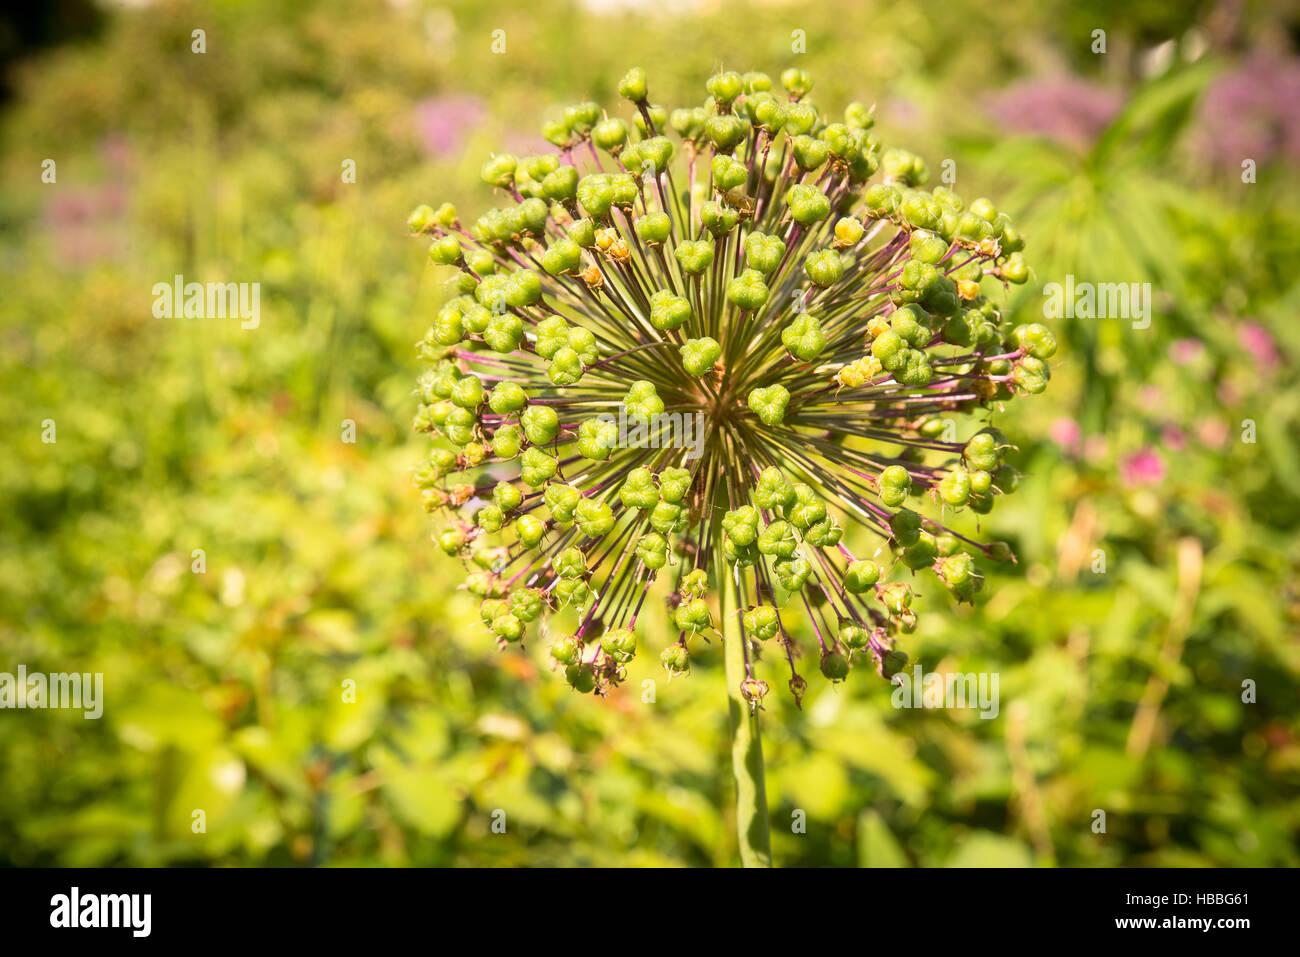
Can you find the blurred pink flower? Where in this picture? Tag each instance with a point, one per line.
(1186, 351)
(1172, 437)
(87, 224)
(1142, 467)
(1228, 393)
(445, 121)
(1250, 113)
(1067, 434)
(1214, 433)
(1094, 449)
(1066, 109)
(1256, 340)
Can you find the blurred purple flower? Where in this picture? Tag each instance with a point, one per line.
(1214, 433)
(1256, 340)
(443, 122)
(1184, 352)
(1143, 467)
(1252, 112)
(87, 224)
(1067, 434)
(1065, 109)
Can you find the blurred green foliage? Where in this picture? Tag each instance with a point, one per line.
(1121, 690)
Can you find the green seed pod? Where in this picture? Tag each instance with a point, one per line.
(824, 267)
(507, 398)
(468, 392)
(1014, 270)
(803, 337)
(652, 549)
(778, 540)
(824, 534)
(853, 635)
(562, 257)
(890, 662)
(500, 171)
(921, 553)
(610, 135)
(633, 85)
(694, 256)
(561, 500)
(642, 400)
(726, 132)
(541, 424)
(557, 133)
(506, 497)
(675, 660)
(451, 540)
(526, 604)
(769, 404)
(572, 593)
(536, 467)
(597, 438)
(654, 228)
(848, 232)
(693, 616)
(490, 608)
(582, 677)
(861, 575)
(796, 82)
(565, 368)
(619, 644)
(906, 526)
(570, 563)
(530, 530)
(859, 117)
(773, 490)
(747, 291)
(508, 627)
(566, 650)
(504, 332)
(667, 311)
(883, 199)
(810, 153)
(728, 172)
(761, 622)
(445, 251)
(718, 219)
(896, 596)
(489, 518)
(687, 123)
(1031, 375)
(725, 87)
(1035, 340)
(673, 484)
(741, 525)
(834, 666)
(507, 441)
(808, 204)
(954, 488)
(699, 355)
(667, 518)
(762, 252)
(593, 519)
(806, 508)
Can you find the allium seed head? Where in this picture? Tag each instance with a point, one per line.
(706, 356)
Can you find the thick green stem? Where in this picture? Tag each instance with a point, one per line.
(746, 745)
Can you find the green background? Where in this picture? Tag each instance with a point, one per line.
(1121, 690)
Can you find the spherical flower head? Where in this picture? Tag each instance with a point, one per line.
(733, 346)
